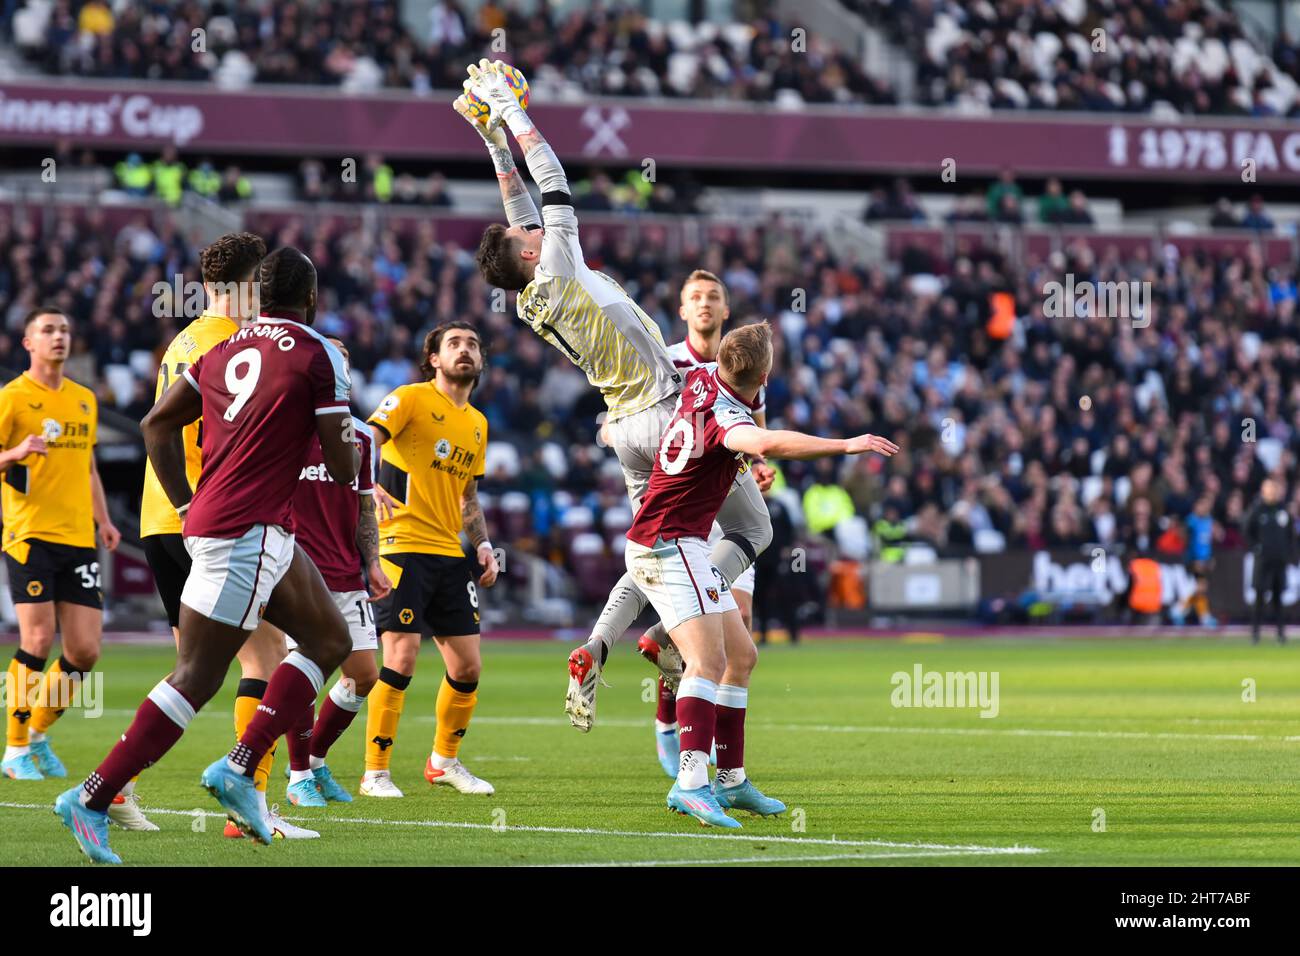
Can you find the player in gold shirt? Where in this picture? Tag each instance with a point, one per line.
(433, 445)
(229, 267)
(52, 500)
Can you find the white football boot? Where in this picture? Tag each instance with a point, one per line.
(379, 785)
(282, 829)
(125, 812)
(580, 698)
(458, 777)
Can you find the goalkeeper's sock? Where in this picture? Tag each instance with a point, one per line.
(621, 610)
(658, 633)
(730, 559)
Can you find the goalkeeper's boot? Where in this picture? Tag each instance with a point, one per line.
(667, 660)
(580, 699)
(701, 804)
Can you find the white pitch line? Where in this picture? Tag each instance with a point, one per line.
(766, 859)
(855, 729)
(591, 831)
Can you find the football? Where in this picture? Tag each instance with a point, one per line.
(518, 82)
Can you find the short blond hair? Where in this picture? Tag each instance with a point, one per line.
(704, 275)
(745, 355)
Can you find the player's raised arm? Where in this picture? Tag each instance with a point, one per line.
(560, 254)
(519, 207)
(768, 443)
(163, 428)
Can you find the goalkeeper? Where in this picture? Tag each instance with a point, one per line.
(594, 322)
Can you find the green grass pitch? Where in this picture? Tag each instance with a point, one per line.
(1151, 738)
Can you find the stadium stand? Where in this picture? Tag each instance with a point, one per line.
(917, 314)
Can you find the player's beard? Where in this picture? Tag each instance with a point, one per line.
(459, 375)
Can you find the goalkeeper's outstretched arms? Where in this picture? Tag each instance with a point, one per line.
(560, 252)
(520, 210)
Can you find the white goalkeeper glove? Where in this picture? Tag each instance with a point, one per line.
(488, 84)
(493, 136)
(490, 131)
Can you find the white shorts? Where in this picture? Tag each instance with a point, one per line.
(232, 578)
(680, 581)
(358, 612)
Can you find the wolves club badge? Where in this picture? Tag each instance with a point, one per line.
(712, 593)
(406, 615)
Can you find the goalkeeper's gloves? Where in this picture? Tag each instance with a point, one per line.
(493, 136)
(488, 84)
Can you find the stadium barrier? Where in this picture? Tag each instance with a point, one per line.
(1096, 581)
(306, 121)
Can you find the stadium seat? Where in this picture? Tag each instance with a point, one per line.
(1090, 488)
(577, 522)
(615, 522)
(516, 516)
(143, 364)
(593, 572)
(853, 538)
(121, 379)
(919, 554)
(502, 459)
(989, 541)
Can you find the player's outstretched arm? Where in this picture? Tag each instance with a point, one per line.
(163, 442)
(338, 445)
(519, 207)
(768, 443)
(488, 83)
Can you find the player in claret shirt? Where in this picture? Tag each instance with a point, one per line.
(705, 307)
(336, 526)
(229, 268)
(264, 393)
(668, 556)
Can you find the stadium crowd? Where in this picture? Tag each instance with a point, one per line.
(1107, 55)
(611, 49)
(1188, 56)
(1072, 430)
